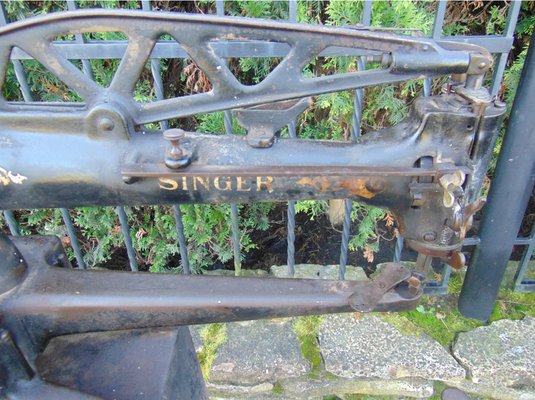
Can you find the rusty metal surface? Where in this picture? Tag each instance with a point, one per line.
(409, 58)
(55, 301)
(117, 161)
(427, 171)
(382, 169)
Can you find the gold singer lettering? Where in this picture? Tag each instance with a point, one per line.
(219, 183)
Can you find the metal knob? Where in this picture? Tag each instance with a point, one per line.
(175, 156)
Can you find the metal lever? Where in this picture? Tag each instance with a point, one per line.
(366, 299)
(263, 121)
(58, 301)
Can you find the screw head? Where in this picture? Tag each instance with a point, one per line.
(173, 134)
(429, 236)
(106, 124)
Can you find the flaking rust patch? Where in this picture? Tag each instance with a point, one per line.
(7, 177)
(354, 187)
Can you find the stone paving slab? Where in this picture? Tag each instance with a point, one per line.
(371, 348)
(304, 388)
(502, 353)
(319, 272)
(257, 352)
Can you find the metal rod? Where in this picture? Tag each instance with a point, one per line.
(290, 237)
(22, 78)
(74, 239)
(227, 115)
(423, 263)
(499, 69)
(524, 262)
(358, 103)
(508, 197)
(127, 239)
(439, 19)
(86, 64)
(292, 10)
(398, 248)
(348, 205)
(427, 86)
(367, 12)
(233, 207)
(111, 300)
(220, 7)
(446, 273)
(156, 72)
(181, 239)
(235, 238)
(11, 223)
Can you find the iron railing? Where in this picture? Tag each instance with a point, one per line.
(499, 45)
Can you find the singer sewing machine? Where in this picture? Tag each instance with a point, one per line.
(427, 170)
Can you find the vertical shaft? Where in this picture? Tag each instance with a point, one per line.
(507, 201)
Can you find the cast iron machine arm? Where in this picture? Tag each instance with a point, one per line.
(427, 170)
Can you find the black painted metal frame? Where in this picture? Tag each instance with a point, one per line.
(51, 316)
(495, 44)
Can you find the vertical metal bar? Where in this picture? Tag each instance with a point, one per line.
(86, 64)
(348, 205)
(398, 248)
(423, 263)
(446, 274)
(220, 10)
(127, 239)
(437, 33)
(74, 239)
(290, 261)
(228, 122)
(290, 237)
(358, 102)
(427, 87)
(367, 12)
(156, 71)
(22, 78)
(235, 239)
(499, 69)
(177, 212)
(292, 10)
(220, 7)
(11, 223)
(526, 258)
(181, 239)
(439, 19)
(508, 197)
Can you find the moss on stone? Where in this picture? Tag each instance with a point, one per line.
(307, 331)
(278, 389)
(438, 316)
(213, 336)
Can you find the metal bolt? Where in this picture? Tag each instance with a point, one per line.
(482, 65)
(375, 186)
(174, 155)
(499, 104)
(429, 236)
(106, 124)
(174, 136)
